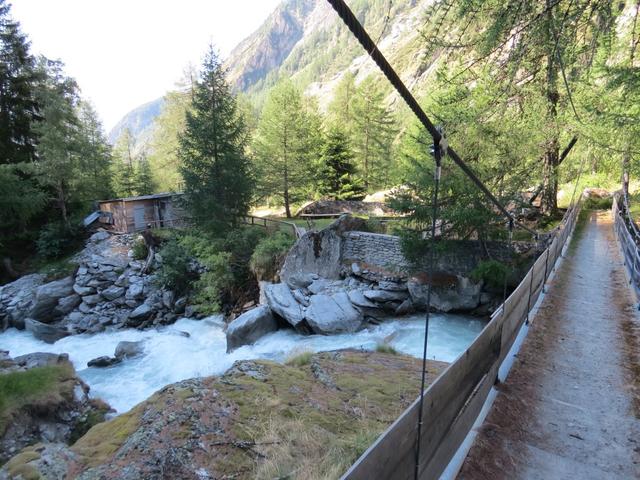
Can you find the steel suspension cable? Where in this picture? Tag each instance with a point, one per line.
(363, 37)
(432, 252)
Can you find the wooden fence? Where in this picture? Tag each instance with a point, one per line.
(628, 236)
(453, 402)
(276, 224)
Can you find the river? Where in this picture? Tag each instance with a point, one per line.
(170, 356)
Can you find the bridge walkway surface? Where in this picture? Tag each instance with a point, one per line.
(570, 407)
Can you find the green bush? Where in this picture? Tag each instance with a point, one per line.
(598, 203)
(55, 239)
(139, 249)
(492, 272)
(174, 273)
(213, 285)
(385, 348)
(269, 254)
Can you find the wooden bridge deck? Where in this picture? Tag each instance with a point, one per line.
(570, 407)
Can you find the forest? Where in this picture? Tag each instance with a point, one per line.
(514, 85)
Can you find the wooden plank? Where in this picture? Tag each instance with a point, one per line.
(461, 426)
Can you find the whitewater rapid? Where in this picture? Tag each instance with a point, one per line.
(169, 356)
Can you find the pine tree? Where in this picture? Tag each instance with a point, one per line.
(286, 144)
(215, 167)
(124, 173)
(18, 78)
(337, 175)
(144, 178)
(94, 182)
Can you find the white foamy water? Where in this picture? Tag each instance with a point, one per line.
(170, 357)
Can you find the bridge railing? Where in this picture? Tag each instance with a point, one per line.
(626, 232)
(454, 400)
(269, 222)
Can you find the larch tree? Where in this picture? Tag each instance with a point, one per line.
(285, 145)
(215, 166)
(124, 170)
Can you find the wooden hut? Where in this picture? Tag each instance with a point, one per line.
(133, 214)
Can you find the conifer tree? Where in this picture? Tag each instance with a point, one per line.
(144, 178)
(18, 78)
(124, 173)
(338, 178)
(215, 167)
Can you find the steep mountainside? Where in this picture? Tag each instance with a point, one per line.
(306, 41)
(139, 121)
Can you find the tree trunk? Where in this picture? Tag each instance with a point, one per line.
(63, 206)
(626, 161)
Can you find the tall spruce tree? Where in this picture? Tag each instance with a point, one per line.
(124, 171)
(215, 167)
(18, 78)
(338, 178)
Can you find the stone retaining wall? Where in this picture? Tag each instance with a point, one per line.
(458, 257)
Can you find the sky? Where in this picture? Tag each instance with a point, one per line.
(124, 53)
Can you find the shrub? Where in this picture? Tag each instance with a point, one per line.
(384, 348)
(492, 272)
(269, 254)
(139, 249)
(213, 285)
(55, 239)
(175, 273)
(299, 359)
(598, 203)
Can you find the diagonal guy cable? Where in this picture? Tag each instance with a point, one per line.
(360, 33)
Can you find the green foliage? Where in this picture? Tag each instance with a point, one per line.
(139, 249)
(300, 359)
(269, 254)
(286, 144)
(492, 272)
(598, 203)
(175, 273)
(384, 348)
(215, 167)
(337, 172)
(57, 238)
(145, 184)
(30, 386)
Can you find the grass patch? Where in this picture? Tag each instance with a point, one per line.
(18, 466)
(49, 384)
(56, 268)
(299, 359)
(385, 348)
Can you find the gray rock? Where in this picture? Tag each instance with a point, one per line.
(41, 359)
(179, 305)
(16, 299)
(319, 252)
(66, 305)
(385, 296)
(463, 296)
(112, 292)
(135, 290)
(359, 300)
(405, 308)
(190, 311)
(97, 283)
(47, 297)
(99, 236)
(329, 314)
(141, 313)
(250, 326)
(282, 302)
(83, 289)
(302, 280)
(122, 281)
(128, 350)
(392, 286)
(103, 361)
(85, 308)
(44, 332)
(167, 298)
(300, 297)
(92, 300)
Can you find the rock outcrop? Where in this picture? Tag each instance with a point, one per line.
(51, 404)
(189, 430)
(108, 289)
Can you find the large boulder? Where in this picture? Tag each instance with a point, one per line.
(329, 314)
(281, 301)
(16, 300)
(386, 295)
(250, 326)
(47, 297)
(128, 350)
(319, 252)
(42, 331)
(462, 295)
(68, 304)
(141, 313)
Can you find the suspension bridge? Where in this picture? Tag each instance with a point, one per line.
(551, 386)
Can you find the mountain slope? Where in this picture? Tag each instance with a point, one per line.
(139, 122)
